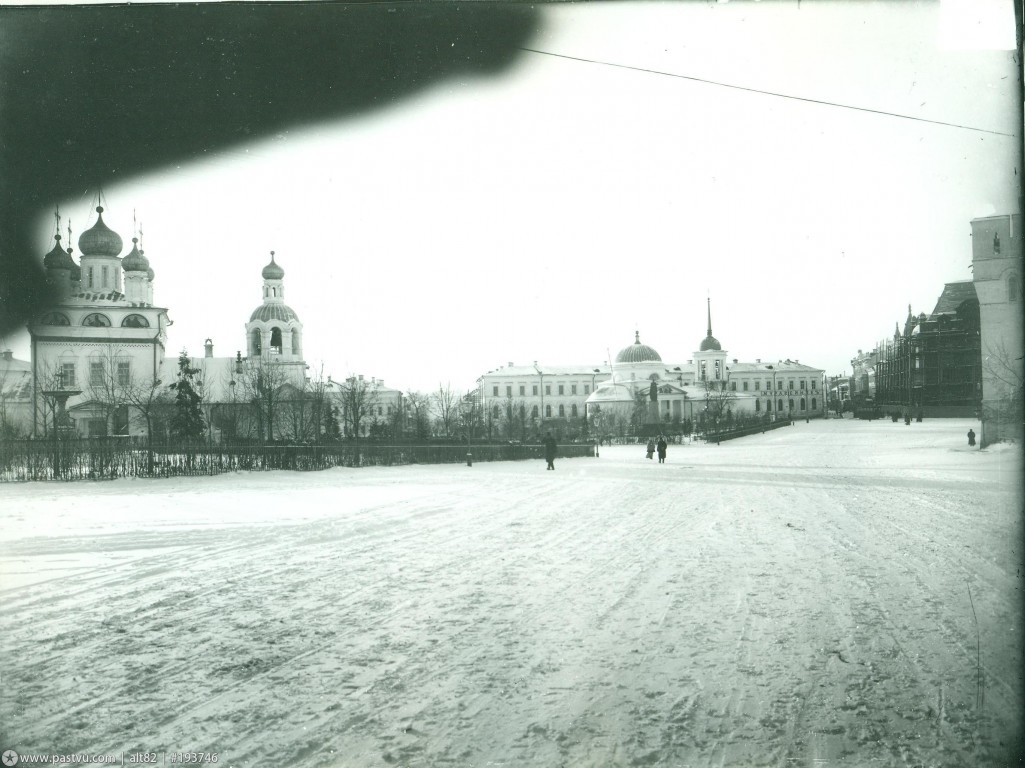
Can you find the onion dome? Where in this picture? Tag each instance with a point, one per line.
(281, 312)
(150, 274)
(638, 353)
(99, 239)
(58, 258)
(272, 271)
(135, 261)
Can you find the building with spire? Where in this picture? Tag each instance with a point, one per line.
(103, 340)
(638, 388)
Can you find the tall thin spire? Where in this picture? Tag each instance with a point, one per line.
(709, 315)
(57, 219)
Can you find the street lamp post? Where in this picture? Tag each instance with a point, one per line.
(542, 378)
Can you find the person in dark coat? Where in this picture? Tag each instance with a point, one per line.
(651, 447)
(550, 450)
(662, 445)
(971, 438)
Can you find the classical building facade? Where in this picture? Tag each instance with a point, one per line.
(997, 275)
(639, 390)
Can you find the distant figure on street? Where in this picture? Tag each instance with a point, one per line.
(651, 447)
(550, 450)
(971, 438)
(662, 445)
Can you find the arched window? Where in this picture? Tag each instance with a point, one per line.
(135, 321)
(790, 404)
(813, 405)
(1012, 288)
(802, 403)
(255, 343)
(573, 409)
(533, 412)
(54, 318)
(523, 411)
(275, 341)
(295, 343)
(496, 411)
(779, 405)
(562, 411)
(758, 405)
(548, 411)
(96, 320)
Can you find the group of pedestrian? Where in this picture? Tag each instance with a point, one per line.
(659, 447)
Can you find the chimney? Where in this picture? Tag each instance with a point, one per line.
(734, 361)
(208, 345)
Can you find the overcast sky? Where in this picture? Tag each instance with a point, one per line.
(548, 212)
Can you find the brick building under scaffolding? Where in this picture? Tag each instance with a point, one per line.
(933, 366)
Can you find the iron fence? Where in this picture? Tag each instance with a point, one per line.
(110, 458)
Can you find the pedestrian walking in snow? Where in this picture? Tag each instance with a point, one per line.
(550, 450)
(971, 438)
(662, 445)
(651, 447)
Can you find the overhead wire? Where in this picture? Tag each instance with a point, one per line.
(763, 92)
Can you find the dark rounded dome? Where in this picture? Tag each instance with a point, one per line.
(272, 271)
(638, 353)
(710, 342)
(135, 261)
(99, 239)
(150, 274)
(281, 312)
(58, 258)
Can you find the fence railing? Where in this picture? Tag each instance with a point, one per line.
(718, 437)
(109, 458)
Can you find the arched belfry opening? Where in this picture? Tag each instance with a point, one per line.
(275, 341)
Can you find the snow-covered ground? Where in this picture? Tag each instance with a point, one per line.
(803, 597)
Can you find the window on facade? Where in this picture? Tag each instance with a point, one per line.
(562, 411)
(96, 320)
(124, 373)
(813, 404)
(587, 389)
(768, 405)
(508, 412)
(573, 410)
(255, 342)
(790, 384)
(89, 278)
(745, 386)
(523, 390)
(804, 384)
(533, 411)
(120, 419)
(733, 385)
(758, 405)
(548, 411)
(494, 391)
(548, 390)
(535, 390)
(380, 411)
(496, 411)
(779, 405)
(562, 389)
(757, 385)
(295, 344)
(106, 277)
(275, 341)
(573, 389)
(704, 370)
(508, 390)
(523, 411)
(1012, 288)
(67, 375)
(135, 321)
(790, 403)
(802, 403)
(813, 384)
(95, 374)
(717, 371)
